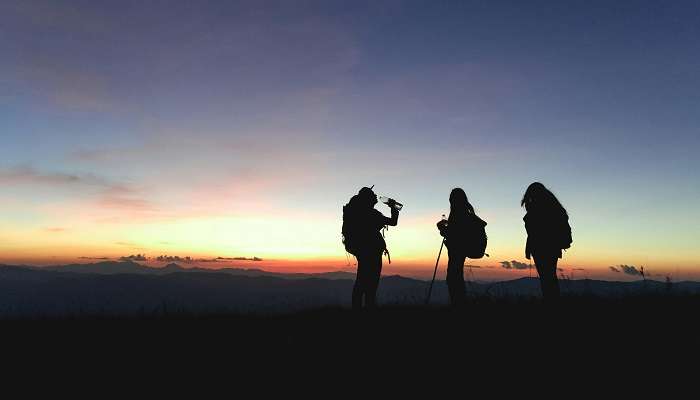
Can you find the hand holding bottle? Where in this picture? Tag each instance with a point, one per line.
(442, 225)
(391, 203)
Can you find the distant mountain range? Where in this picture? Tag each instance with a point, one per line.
(130, 267)
(119, 288)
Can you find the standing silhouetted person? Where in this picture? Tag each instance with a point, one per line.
(464, 237)
(548, 232)
(362, 236)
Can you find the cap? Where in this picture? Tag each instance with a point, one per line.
(366, 192)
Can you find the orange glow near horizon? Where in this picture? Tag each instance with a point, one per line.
(293, 240)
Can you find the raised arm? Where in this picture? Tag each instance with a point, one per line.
(394, 217)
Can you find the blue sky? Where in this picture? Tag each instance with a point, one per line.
(170, 113)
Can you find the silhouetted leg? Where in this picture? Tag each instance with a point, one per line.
(373, 276)
(545, 277)
(358, 290)
(547, 270)
(555, 280)
(357, 294)
(455, 278)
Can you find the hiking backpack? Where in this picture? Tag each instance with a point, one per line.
(349, 228)
(476, 238)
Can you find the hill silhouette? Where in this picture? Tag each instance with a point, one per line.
(131, 267)
(104, 289)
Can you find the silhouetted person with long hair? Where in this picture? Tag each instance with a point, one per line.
(459, 232)
(548, 232)
(362, 225)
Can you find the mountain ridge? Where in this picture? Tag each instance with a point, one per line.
(121, 267)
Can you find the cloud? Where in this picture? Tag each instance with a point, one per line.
(137, 257)
(107, 194)
(239, 258)
(217, 259)
(55, 230)
(125, 198)
(28, 175)
(627, 269)
(94, 258)
(479, 266)
(205, 260)
(127, 244)
(514, 265)
(187, 259)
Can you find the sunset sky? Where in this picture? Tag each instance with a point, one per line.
(239, 129)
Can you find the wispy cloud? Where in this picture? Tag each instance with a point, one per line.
(125, 198)
(239, 259)
(27, 176)
(106, 193)
(627, 269)
(514, 265)
(166, 258)
(478, 266)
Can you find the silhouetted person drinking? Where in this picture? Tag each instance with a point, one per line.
(548, 232)
(464, 237)
(362, 236)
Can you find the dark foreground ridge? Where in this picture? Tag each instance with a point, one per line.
(488, 331)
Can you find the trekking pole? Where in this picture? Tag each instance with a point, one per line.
(430, 290)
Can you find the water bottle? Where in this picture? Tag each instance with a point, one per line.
(386, 200)
(442, 224)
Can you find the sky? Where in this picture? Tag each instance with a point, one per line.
(239, 129)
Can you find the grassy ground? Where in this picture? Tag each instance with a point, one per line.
(581, 339)
(574, 321)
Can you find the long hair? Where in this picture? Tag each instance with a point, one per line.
(459, 204)
(538, 198)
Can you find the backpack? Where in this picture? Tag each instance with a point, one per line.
(476, 238)
(350, 228)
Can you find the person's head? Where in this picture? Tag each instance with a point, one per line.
(367, 197)
(538, 197)
(459, 202)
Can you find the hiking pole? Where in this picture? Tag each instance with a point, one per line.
(430, 290)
